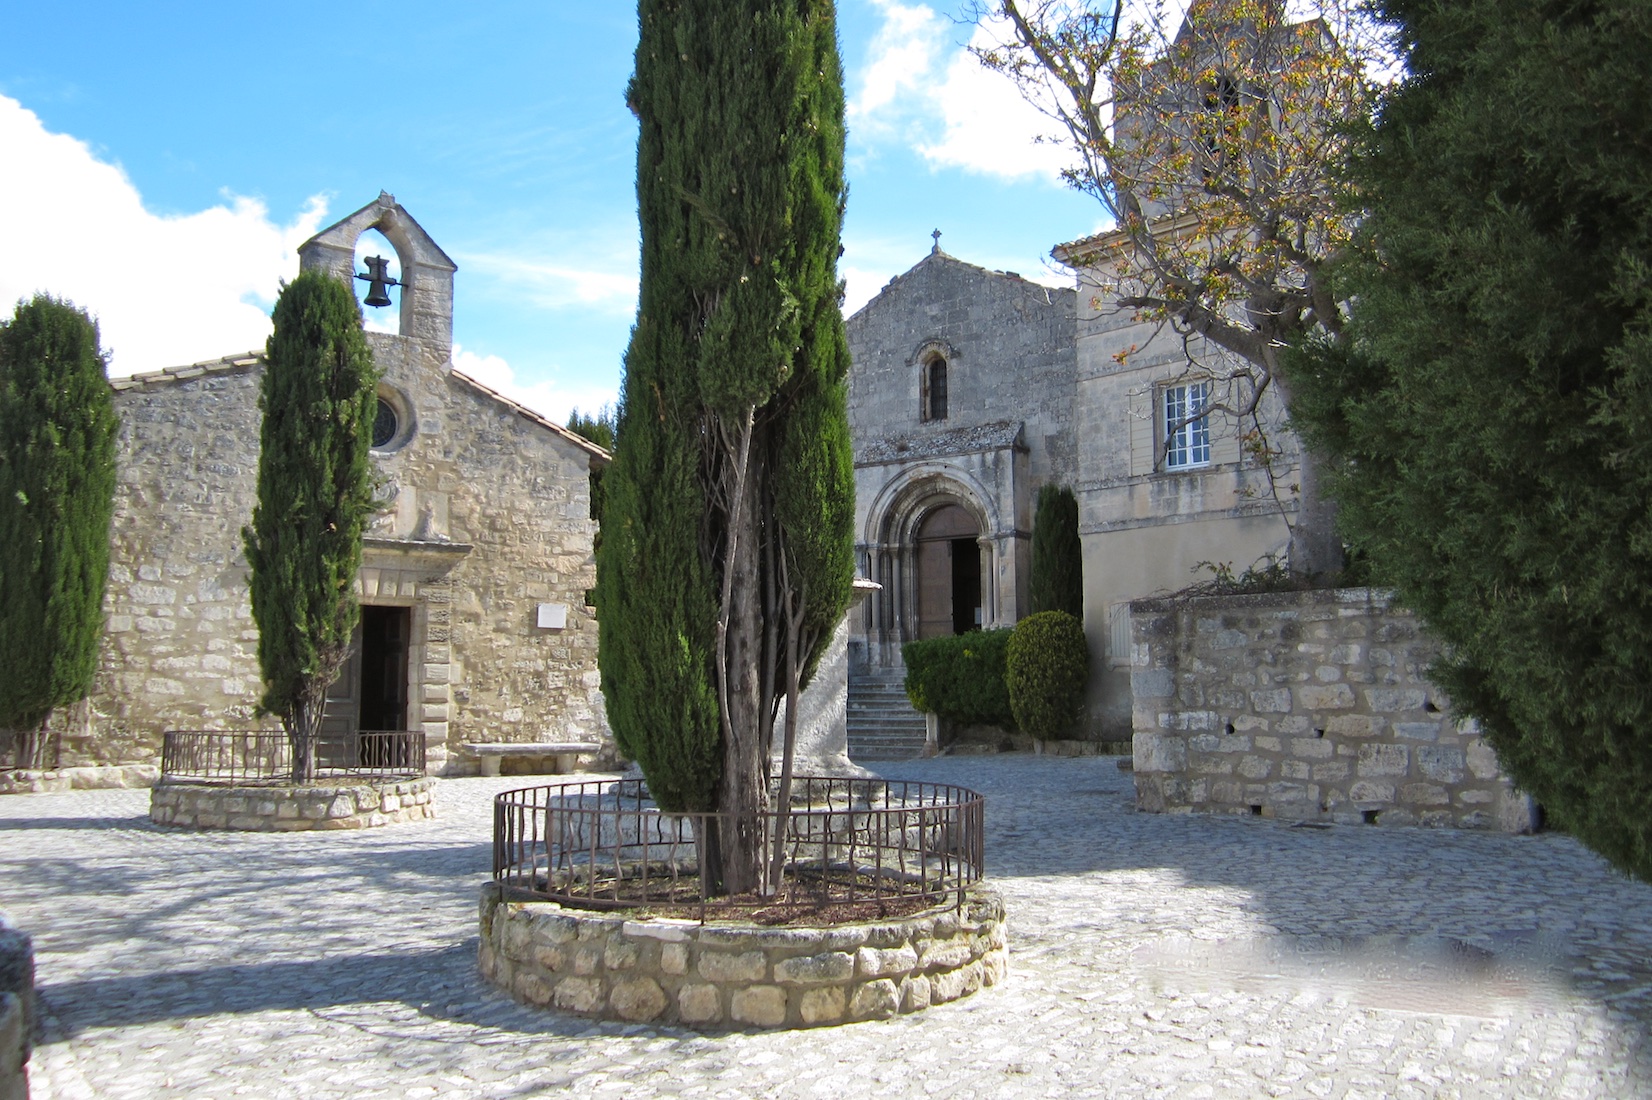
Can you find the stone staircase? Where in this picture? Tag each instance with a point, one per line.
(882, 723)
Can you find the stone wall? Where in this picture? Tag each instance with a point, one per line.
(716, 975)
(1308, 706)
(24, 781)
(278, 809)
(180, 649)
(16, 1011)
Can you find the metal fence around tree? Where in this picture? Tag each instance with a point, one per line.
(254, 757)
(863, 846)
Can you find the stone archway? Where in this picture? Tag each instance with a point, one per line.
(933, 522)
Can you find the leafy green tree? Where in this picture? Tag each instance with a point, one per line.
(600, 428)
(57, 489)
(315, 497)
(1208, 133)
(1046, 668)
(727, 554)
(1057, 582)
(1489, 423)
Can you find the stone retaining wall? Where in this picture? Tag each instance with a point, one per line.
(1307, 706)
(24, 781)
(717, 975)
(291, 809)
(16, 1011)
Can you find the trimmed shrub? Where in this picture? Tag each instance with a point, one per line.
(1046, 667)
(961, 677)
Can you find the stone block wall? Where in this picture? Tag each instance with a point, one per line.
(1307, 706)
(180, 649)
(717, 975)
(279, 809)
(487, 516)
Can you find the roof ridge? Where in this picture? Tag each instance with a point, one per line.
(236, 362)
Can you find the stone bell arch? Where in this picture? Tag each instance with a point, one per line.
(427, 271)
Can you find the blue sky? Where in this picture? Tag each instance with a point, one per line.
(160, 162)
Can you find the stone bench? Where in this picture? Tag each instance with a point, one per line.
(493, 753)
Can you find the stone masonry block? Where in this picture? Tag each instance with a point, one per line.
(1354, 725)
(1441, 763)
(1325, 697)
(1271, 701)
(1159, 752)
(1381, 760)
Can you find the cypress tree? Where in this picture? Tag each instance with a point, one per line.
(1491, 422)
(727, 555)
(1057, 582)
(315, 496)
(57, 488)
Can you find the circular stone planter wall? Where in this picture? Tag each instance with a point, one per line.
(719, 975)
(274, 809)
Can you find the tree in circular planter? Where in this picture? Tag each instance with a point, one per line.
(315, 497)
(1046, 669)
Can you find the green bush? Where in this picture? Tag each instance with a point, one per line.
(961, 677)
(1046, 666)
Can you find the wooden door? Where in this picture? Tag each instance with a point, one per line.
(939, 563)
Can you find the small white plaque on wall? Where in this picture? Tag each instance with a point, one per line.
(553, 616)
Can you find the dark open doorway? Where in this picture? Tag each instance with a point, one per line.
(383, 654)
(966, 585)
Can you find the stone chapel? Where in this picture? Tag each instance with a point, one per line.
(473, 582)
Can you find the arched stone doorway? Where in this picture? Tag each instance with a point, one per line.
(949, 571)
(946, 558)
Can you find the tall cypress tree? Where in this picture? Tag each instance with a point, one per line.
(727, 554)
(57, 488)
(315, 496)
(1490, 421)
(1057, 582)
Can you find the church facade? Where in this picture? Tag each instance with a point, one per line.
(960, 409)
(970, 389)
(473, 581)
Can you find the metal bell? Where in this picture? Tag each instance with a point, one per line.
(378, 279)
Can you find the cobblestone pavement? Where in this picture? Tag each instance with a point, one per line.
(1150, 956)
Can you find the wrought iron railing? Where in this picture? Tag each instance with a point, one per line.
(248, 757)
(848, 842)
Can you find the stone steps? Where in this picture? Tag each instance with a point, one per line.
(882, 723)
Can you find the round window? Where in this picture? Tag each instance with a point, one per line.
(385, 424)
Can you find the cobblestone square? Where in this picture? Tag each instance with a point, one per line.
(1151, 955)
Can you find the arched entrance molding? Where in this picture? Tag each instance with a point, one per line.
(889, 549)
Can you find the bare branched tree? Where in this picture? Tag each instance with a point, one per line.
(1209, 140)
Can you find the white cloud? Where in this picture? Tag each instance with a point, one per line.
(554, 283)
(165, 290)
(550, 399)
(921, 87)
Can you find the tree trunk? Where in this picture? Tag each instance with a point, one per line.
(1315, 546)
(301, 734)
(743, 790)
(32, 745)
